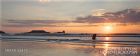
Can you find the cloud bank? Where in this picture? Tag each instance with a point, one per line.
(124, 16)
(33, 23)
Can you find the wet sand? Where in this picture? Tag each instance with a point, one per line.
(62, 48)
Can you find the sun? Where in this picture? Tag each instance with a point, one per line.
(108, 28)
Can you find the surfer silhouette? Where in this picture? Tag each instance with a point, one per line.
(94, 37)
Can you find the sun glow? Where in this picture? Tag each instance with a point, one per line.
(108, 29)
(44, 0)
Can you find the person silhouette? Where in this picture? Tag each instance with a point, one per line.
(94, 40)
(94, 37)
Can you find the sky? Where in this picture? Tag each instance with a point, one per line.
(73, 16)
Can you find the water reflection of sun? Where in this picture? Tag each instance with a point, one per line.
(106, 45)
(107, 38)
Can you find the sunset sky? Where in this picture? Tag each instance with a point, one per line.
(73, 16)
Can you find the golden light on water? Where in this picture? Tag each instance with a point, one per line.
(107, 38)
(106, 45)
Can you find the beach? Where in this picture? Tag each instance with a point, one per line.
(71, 48)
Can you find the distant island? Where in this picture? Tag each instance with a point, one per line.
(3, 33)
(63, 33)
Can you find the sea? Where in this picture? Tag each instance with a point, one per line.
(102, 46)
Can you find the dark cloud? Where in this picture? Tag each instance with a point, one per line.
(90, 19)
(125, 16)
(32, 23)
(37, 21)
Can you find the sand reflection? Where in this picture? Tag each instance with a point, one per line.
(9, 48)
